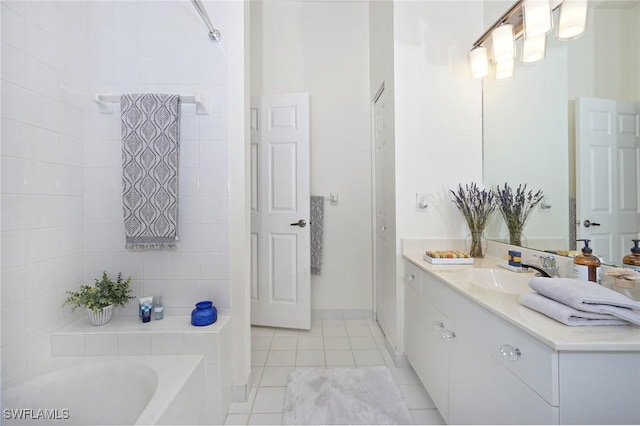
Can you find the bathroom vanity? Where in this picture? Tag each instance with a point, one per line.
(485, 359)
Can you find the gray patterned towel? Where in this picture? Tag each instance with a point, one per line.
(150, 147)
(316, 228)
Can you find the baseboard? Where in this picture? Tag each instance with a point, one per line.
(398, 358)
(344, 314)
(240, 391)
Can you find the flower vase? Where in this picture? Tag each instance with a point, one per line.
(476, 244)
(515, 237)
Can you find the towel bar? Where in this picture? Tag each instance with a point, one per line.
(105, 101)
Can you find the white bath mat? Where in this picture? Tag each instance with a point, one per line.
(348, 396)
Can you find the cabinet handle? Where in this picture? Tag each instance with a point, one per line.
(509, 353)
(437, 325)
(411, 277)
(448, 334)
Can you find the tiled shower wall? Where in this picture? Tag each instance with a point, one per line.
(159, 46)
(42, 168)
(61, 164)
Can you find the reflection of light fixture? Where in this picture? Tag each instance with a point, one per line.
(525, 18)
(573, 16)
(503, 43)
(537, 17)
(534, 48)
(479, 62)
(504, 69)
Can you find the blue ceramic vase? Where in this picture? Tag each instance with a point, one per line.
(204, 313)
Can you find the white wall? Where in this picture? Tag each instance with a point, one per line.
(323, 48)
(438, 118)
(42, 167)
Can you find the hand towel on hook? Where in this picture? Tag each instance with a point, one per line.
(150, 153)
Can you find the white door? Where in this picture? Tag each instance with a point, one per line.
(384, 196)
(628, 176)
(280, 238)
(607, 173)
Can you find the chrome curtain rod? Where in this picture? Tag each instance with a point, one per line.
(214, 34)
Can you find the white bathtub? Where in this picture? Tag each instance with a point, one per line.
(123, 390)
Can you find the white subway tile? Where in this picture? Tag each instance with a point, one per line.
(41, 45)
(134, 344)
(68, 344)
(14, 138)
(14, 102)
(101, 344)
(186, 293)
(185, 265)
(155, 69)
(13, 65)
(14, 212)
(189, 182)
(214, 153)
(215, 266)
(13, 285)
(188, 211)
(214, 210)
(189, 238)
(157, 265)
(17, 255)
(215, 237)
(131, 264)
(38, 347)
(214, 182)
(189, 125)
(13, 27)
(14, 321)
(189, 153)
(14, 358)
(167, 343)
(202, 343)
(213, 126)
(42, 312)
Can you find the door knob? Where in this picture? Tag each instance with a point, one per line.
(587, 223)
(301, 223)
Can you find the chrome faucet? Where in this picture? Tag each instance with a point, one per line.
(548, 266)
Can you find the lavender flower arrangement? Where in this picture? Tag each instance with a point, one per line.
(516, 209)
(476, 206)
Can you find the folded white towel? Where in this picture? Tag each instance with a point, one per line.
(566, 314)
(587, 296)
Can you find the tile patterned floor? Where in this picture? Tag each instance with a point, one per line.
(329, 343)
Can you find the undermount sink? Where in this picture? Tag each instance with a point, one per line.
(499, 280)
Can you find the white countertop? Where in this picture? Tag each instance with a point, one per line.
(553, 333)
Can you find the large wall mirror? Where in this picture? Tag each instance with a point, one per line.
(529, 124)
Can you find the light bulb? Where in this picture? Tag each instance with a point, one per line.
(479, 62)
(534, 49)
(573, 17)
(503, 43)
(537, 17)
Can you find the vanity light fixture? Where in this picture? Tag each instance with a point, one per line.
(534, 49)
(537, 17)
(503, 43)
(504, 69)
(479, 62)
(527, 18)
(573, 18)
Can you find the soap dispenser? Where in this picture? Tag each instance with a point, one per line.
(586, 266)
(632, 261)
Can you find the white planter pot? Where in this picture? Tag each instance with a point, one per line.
(102, 316)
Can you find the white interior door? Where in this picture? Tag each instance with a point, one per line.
(280, 238)
(607, 174)
(384, 261)
(628, 176)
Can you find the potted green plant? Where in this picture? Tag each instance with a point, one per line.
(100, 299)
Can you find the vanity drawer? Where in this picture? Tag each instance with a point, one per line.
(413, 276)
(532, 361)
